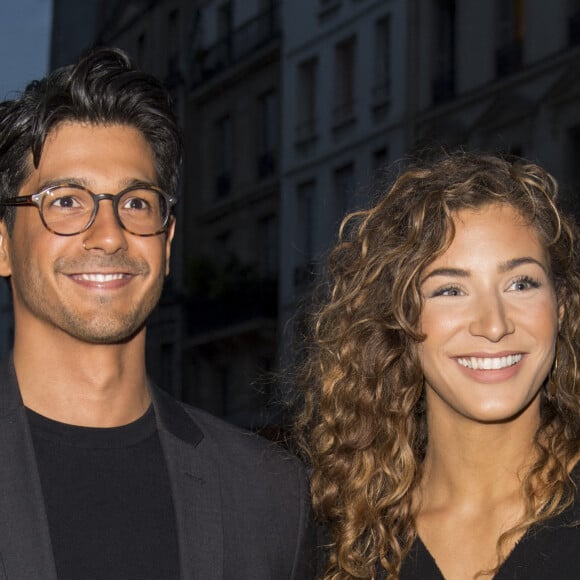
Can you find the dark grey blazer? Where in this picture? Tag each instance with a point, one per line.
(242, 504)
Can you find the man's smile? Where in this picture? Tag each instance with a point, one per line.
(96, 277)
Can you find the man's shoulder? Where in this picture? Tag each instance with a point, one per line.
(226, 443)
(237, 441)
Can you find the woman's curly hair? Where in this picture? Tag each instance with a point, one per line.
(362, 423)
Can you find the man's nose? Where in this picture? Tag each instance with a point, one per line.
(106, 233)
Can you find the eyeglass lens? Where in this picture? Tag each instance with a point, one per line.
(68, 210)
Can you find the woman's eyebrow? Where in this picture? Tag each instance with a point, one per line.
(511, 264)
(502, 268)
(455, 272)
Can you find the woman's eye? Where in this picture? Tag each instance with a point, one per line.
(447, 291)
(524, 283)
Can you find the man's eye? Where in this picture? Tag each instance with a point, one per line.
(65, 202)
(137, 203)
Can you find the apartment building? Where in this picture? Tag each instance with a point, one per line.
(345, 73)
(232, 210)
(502, 75)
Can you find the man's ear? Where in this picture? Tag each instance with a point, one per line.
(5, 263)
(168, 240)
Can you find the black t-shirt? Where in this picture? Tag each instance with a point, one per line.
(108, 500)
(547, 551)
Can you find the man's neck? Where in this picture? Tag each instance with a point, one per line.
(83, 384)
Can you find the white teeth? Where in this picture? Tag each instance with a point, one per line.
(489, 363)
(101, 277)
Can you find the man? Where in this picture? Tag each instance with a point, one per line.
(102, 475)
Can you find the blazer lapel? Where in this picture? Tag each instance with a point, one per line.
(25, 546)
(195, 482)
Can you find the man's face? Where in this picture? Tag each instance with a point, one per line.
(98, 286)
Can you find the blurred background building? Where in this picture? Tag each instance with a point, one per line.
(289, 109)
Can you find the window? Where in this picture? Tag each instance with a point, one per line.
(343, 190)
(173, 38)
(225, 20)
(571, 198)
(343, 111)
(510, 36)
(268, 18)
(327, 7)
(306, 100)
(224, 31)
(574, 21)
(267, 134)
(141, 49)
(223, 156)
(443, 86)
(224, 247)
(382, 85)
(265, 5)
(268, 247)
(379, 160)
(304, 233)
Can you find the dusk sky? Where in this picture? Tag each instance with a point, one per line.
(24, 43)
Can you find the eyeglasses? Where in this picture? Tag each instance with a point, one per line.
(70, 209)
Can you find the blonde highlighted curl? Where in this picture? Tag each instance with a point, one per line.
(362, 424)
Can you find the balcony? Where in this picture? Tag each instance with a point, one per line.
(237, 46)
(223, 184)
(343, 114)
(381, 94)
(267, 165)
(305, 131)
(574, 28)
(443, 87)
(509, 59)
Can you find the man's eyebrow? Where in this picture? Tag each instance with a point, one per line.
(62, 181)
(89, 184)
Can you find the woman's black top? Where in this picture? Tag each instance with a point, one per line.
(547, 551)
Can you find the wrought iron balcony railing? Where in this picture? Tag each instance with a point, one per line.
(235, 47)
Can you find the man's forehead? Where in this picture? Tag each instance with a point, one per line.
(86, 153)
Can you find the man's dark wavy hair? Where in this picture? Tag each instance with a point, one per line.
(103, 88)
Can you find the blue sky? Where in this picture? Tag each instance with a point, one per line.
(24, 43)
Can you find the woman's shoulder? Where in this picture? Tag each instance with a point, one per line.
(548, 549)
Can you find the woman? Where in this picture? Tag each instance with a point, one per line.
(441, 409)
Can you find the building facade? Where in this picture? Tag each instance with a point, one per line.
(232, 209)
(502, 76)
(345, 75)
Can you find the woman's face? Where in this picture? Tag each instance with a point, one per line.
(490, 317)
